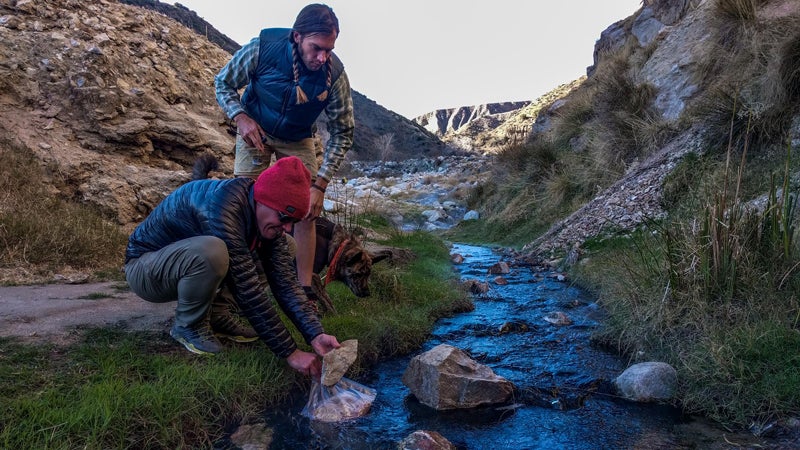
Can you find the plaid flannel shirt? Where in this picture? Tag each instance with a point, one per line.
(236, 75)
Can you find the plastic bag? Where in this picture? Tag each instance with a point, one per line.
(344, 400)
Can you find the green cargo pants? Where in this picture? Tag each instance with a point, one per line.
(189, 271)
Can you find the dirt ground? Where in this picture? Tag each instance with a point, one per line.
(56, 312)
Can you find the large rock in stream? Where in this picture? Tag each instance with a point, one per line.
(447, 378)
(648, 382)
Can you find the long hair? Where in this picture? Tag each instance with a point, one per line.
(315, 18)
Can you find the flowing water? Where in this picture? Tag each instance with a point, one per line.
(564, 396)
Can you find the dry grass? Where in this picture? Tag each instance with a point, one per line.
(742, 10)
(42, 234)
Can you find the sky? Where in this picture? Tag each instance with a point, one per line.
(417, 56)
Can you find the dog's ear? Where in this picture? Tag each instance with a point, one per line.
(379, 255)
(395, 254)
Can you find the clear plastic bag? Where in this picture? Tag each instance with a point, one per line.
(344, 400)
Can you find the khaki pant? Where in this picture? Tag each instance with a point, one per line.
(250, 162)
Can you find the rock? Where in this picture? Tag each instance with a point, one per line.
(425, 440)
(558, 318)
(332, 206)
(647, 382)
(447, 378)
(471, 215)
(432, 215)
(252, 437)
(513, 327)
(336, 362)
(477, 287)
(500, 281)
(646, 27)
(456, 258)
(500, 268)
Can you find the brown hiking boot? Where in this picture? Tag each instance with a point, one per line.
(226, 321)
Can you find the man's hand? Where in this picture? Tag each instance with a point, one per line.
(317, 198)
(315, 206)
(305, 363)
(250, 131)
(324, 343)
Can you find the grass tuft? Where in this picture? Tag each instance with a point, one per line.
(41, 233)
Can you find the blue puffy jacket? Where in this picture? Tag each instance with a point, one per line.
(226, 209)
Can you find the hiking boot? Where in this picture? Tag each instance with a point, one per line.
(196, 338)
(233, 326)
(226, 321)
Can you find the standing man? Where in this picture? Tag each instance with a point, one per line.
(291, 76)
(210, 231)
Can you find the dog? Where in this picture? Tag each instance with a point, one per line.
(345, 258)
(341, 252)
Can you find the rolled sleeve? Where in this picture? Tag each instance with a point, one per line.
(341, 124)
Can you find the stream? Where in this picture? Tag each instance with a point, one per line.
(564, 397)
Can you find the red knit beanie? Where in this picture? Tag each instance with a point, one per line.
(285, 187)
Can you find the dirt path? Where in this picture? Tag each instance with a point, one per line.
(53, 312)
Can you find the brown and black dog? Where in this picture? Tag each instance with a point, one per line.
(340, 251)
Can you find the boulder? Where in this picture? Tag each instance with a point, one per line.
(477, 287)
(472, 215)
(500, 268)
(647, 382)
(447, 378)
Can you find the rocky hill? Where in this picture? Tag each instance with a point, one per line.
(489, 128)
(444, 121)
(117, 100)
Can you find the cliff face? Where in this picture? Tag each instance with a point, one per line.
(444, 121)
(708, 78)
(117, 101)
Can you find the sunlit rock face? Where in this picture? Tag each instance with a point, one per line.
(447, 378)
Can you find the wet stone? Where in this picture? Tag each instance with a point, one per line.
(425, 440)
(558, 318)
(499, 268)
(447, 378)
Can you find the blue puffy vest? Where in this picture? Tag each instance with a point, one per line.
(271, 98)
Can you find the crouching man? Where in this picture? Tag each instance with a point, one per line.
(212, 231)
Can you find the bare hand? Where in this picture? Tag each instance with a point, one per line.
(250, 131)
(324, 343)
(315, 206)
(305, 363)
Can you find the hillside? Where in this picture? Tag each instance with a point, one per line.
(674, 79)
(117, 100)
(379, 134)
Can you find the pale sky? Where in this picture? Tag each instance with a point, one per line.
(417, 56)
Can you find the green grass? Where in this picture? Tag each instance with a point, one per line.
(714, 294)
(125, 390)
